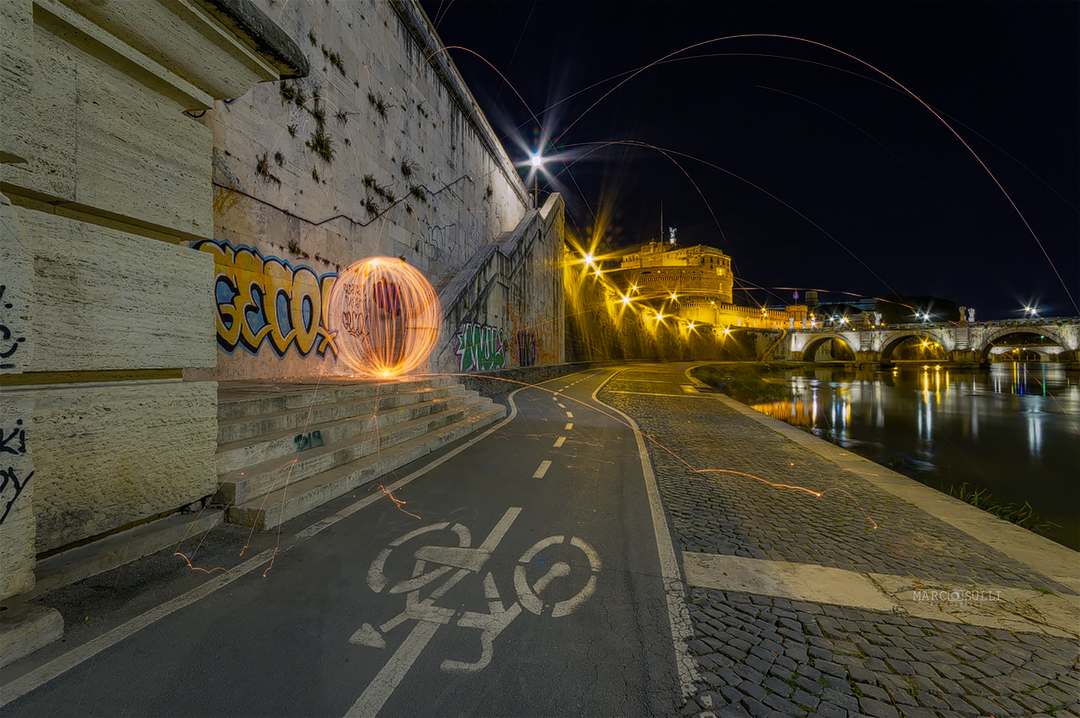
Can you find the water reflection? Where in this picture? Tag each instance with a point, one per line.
(1010, 429)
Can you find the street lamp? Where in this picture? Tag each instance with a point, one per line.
(536, 161)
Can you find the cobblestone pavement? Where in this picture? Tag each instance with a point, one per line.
(769, 656)
(763, 656)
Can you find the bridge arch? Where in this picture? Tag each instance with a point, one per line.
(897, 338)
(997, 333)
(814, 343)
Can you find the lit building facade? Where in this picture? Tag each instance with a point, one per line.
(696, 285)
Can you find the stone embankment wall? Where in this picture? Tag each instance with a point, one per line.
(379, 151)
(105, 182)
(600, 327)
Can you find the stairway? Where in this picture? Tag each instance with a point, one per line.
(772, 347)
(287, 447)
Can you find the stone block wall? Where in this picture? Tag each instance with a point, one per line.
(380, 151)
(505, 308)
(105, 181)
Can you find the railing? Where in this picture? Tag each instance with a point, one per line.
(859, 327)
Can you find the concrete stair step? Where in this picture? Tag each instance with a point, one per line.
(241, 428)
(286, 443)
(244, 484)
(236, 399)
(282, 504)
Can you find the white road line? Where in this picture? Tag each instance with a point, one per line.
(559, 442)
(569, 415)
(562, 406)
(681, 627)
(374, 696)
(568, 427)
(539, 473)
(9, 691)
(57, 666)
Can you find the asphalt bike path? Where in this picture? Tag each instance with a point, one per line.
(530, 584)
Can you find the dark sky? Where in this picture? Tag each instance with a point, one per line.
(898, 202)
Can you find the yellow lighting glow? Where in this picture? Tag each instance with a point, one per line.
(588, 258)
(690, 326)
(625, 300)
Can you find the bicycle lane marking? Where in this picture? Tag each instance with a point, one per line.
(678, 614)
(60, 665)
(430, 617)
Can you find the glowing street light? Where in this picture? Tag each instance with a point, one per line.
(536, 162)
(588, 258)
(691, 326)
(625, 300)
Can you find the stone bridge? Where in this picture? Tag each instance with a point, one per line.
(968, 342)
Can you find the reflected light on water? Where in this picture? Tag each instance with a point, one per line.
(1010, 429)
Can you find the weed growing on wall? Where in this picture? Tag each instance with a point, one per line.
(288, 93)
(321, 144)
(378, 103)
(262, 168)
(418, 192)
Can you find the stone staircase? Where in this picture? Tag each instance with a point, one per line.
(287, 447)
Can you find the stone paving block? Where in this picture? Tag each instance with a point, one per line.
(932, 701)
(827, 710)
(755, 708)
(748, 673)
(901, 667)
(836, 684)
(757, 664)
(877, 709)
(846, 701)
(917, 712)
(785, 706)
(959, 705)
(864, 690)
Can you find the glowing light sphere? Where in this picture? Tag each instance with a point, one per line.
(386, 316)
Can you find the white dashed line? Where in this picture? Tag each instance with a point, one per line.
(569, 415)
(568, 427)
(562, 406)
(559, 441)
(539, 473)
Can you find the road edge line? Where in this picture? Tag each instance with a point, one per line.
(63, 663)
(678, 613)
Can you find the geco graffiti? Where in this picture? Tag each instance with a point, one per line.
(263, 299)
(481, 347)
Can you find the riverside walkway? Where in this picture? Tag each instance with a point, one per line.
(860, 592)
(560, 564)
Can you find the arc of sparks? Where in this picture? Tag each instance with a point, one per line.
(884, 74)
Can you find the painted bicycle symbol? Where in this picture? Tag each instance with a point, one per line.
(446, 566)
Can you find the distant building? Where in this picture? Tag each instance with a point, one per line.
(696, 284)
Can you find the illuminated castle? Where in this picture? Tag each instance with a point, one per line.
(695, 284)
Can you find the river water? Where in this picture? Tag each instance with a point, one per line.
(1011, 430)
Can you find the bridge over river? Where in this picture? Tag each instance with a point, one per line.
(1058, 339)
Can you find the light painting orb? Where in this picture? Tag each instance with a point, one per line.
(386, 316)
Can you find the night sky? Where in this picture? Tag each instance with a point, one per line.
(891, 200)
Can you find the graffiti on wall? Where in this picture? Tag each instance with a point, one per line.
(482, 347)
(264, 300)
(12, 443)
(527, 348)
(9, 344)
(535, 339)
